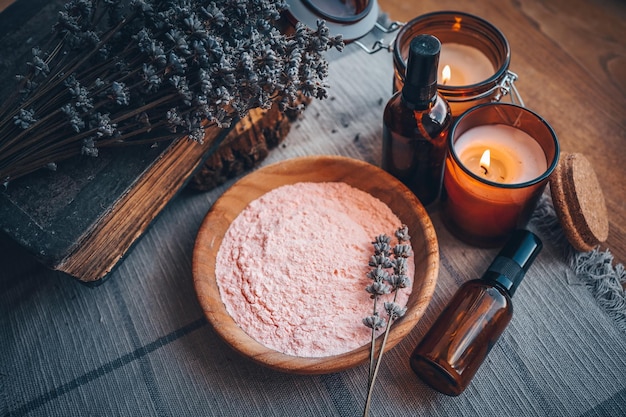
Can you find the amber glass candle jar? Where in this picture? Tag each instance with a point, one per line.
(485, 199)
(476, 52)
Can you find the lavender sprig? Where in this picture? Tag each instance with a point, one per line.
(385, 283)
(154, 70)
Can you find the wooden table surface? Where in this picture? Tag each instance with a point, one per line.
(572, 71)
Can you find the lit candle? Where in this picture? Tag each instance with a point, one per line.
(474, 53)
(466, 65)
(495, 171)
(446, 73)
(501, 153)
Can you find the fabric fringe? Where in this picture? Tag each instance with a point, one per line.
(595, 269)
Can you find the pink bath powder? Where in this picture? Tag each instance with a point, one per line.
(292, 267)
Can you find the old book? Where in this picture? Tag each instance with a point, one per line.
(84, 217)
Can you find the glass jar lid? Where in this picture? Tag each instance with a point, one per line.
(352, 19)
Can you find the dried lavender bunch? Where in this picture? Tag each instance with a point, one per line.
(140, 71)
(389, 275)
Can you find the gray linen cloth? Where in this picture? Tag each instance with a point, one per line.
(138, 345)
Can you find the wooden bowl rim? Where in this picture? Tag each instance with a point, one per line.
(324, 168)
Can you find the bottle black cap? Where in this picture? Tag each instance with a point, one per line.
(420, 81)
(510, 266)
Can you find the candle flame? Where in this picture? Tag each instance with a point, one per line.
(485, 161)
(445, 74)
(457, 23)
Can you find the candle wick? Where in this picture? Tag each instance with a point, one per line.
(486, 171)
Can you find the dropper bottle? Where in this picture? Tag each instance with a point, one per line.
(458, 342)
(416, 121)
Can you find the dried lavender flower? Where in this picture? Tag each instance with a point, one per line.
(25, 118)
(374, 322)
(103, 125)
(38, 64)
(394, 310)
(402, 251)
(75, 121)
(400, 265)
(402, 234)
(381, 245)
(378, 274)
(397, 281)
(378, 288)
(155, 68)
(381, 260)
(392, 283)
(120, 93)
(89, 147)
(382, 239)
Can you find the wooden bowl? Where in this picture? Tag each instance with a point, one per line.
(356, 173)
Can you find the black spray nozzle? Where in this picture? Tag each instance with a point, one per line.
(420, 81)
(510, 266)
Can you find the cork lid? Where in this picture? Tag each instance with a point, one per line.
(579, 202)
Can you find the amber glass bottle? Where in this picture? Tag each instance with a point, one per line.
(456, 345)
(416, 122)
